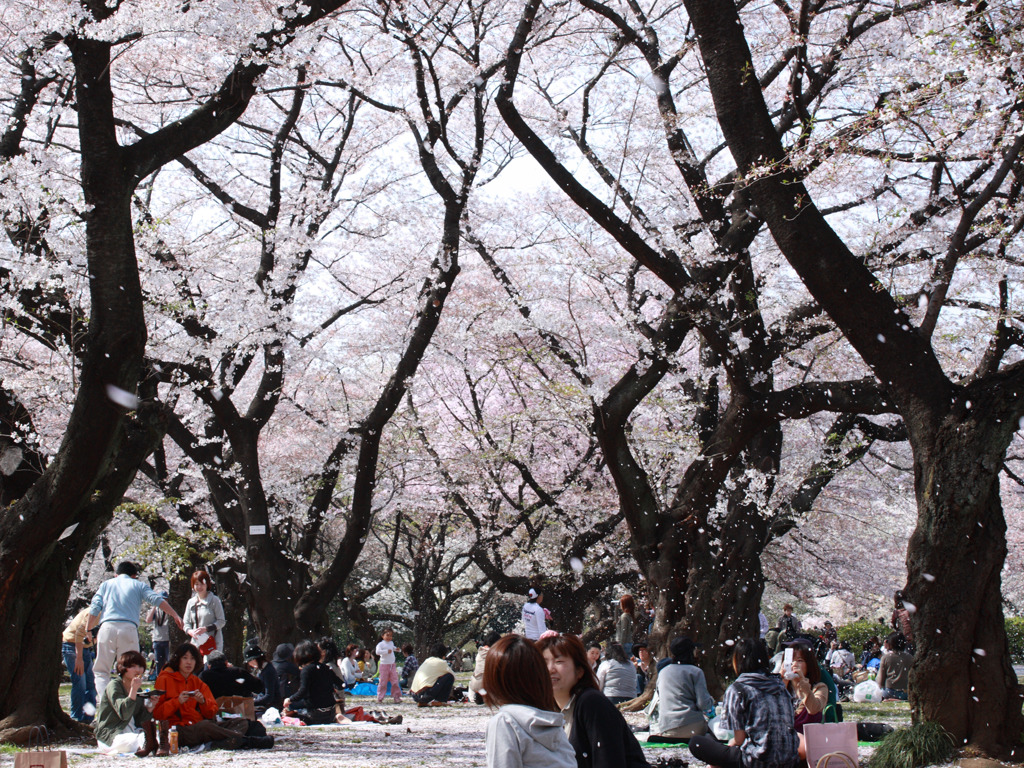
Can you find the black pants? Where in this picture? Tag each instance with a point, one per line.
(439, 691)
(710, 750)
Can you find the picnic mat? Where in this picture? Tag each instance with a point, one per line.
(366, 689)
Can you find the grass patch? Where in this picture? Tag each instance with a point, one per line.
(889, 711)
(918, 745)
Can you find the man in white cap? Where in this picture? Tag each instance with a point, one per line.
(533, 615)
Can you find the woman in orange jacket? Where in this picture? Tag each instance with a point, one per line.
(188, 705)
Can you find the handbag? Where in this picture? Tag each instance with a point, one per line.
(842, 759)
(831, 743)
(207, 646)
(36, 756)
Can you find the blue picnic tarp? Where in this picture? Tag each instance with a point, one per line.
(367, 689)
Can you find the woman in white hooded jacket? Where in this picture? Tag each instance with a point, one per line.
(527, 730)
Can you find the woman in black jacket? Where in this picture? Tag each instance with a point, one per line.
(257, 661)
(315, 702)
(597, 730)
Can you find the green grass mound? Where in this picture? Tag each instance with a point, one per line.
(914, 747)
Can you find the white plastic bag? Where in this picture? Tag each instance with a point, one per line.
(867, 691)
(271, 717)
(717, 726)
(127, 742)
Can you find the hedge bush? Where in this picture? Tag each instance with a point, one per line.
(1015, 637)
(857, 633)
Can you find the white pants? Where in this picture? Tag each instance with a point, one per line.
(113, 639)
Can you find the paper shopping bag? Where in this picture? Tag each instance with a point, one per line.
(237, 705)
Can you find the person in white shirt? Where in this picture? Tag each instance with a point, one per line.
(533, 616)
(349, 666)
(433, 682)
(387, 668)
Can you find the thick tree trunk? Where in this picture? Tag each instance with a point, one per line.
(29, 672)
(962, 675)
(272, 609)
(98, 456)
(32, 612)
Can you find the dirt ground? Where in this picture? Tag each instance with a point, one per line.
(443, 737)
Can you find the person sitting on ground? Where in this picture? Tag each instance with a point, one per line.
(842, 662)
(314, 701)
(228, 680)
(616, 676)
(330, 655)
(594, 653)
(810, 694)
(596, 729)
(872, 651)
(257, 662)
(287, 671)
(644, 665)
(367, 665)
(434, 680)
(894, 670)
(527, 730)
(122, 717)
(759, 711)
(683, 697)
(476, 684)
(189, 705)
(349, 666)
(409, 665)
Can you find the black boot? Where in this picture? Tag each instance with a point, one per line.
(257, 742)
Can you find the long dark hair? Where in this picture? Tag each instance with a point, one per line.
(328, 649)
(515, 673)
(750, 655)
(570, 647)
(179, 652)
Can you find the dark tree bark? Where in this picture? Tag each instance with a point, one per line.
(959, 433)
(102, 448)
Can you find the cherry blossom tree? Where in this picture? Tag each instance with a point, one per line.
(102, 445)
(700, 545)
(299, 530)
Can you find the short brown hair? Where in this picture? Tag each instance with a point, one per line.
(515, 673)
(571, 647)
(349, 648)
(130, 659)
(627, 604)
(203, 576)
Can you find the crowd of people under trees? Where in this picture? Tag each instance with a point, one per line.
(555, 698)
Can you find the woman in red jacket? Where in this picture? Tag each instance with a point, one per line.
(188, 705)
